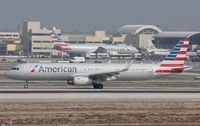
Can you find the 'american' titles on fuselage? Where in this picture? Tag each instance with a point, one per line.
(57, 69)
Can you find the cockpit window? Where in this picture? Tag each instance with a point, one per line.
(14, 68)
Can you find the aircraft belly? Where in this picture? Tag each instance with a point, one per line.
(136, 76)
(79, 50)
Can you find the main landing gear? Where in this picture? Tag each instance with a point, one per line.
(98, 86)
(26, 85)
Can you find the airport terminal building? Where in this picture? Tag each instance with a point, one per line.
(144, 36)
(10, 43)
(139, 35)
(167, 40)
(37, 41)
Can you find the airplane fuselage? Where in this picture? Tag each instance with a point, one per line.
(89, 48)
(67, 71)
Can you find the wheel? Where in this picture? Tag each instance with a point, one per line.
(95, 86)
(100, 86)
(26, 86)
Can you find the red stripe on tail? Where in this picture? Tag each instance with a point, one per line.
(180, 58)
(187, 39)
(182, 52)
(185, 46)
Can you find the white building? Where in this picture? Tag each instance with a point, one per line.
(139, 35)
(10, 43)
(118, 39)
(9, 35)
(144, 36)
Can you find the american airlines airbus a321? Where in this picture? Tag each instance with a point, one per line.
(94, 74)
(60, 45)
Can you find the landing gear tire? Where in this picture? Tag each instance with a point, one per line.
(95, 86)
(98, 86)
(26, 86)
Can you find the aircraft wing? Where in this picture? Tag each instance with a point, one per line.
(102, 76)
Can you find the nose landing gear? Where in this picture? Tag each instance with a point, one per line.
(26, 85)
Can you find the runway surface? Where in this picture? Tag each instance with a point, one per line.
(107, 90)
(110, 82)
(135, 94)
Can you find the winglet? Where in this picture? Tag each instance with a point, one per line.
(127, 67)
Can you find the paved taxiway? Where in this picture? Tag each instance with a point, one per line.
(135, 94)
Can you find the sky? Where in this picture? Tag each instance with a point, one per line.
(86, 16)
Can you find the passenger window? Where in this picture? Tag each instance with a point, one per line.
(14, 68)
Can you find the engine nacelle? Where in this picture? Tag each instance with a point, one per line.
(80, 81)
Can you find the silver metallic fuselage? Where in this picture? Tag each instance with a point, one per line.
(88, 48)
(66, 71)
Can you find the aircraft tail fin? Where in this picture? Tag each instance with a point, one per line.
(56, 38)
(59, 44)
(174, 61)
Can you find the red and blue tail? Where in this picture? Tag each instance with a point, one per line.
(174, 62)
(59, 44)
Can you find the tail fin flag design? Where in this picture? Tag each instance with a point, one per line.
(59, 44)
(174, 61)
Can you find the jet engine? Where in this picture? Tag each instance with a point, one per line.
(80, 81)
